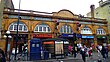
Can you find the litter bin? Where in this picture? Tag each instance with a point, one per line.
(46, 54)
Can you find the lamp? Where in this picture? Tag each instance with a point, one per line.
(7, 35)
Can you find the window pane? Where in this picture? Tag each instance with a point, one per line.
(36, 29)
(40, 28)
(44, 29)
(61, 30)
(20, 27)
(64, 29)
(25, 28)
(15, 27)
(48, 29)
(11, 27)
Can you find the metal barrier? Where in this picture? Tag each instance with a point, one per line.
(37, 56)
(19, 56)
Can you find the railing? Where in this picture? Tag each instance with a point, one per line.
(19, 57)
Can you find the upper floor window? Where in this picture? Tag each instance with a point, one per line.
(86, 30)
(42, 28)
(100, 31)
(66, 29)
(22, 27)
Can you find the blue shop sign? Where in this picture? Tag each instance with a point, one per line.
(67, 35)
(87, 36)
(78, 35)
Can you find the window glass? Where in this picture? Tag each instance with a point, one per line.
(86, 30)
(42, 28)
(21, 27)
(36, 29)
(100, 31)
(48, 29)
(25, 28)
(65, 29)
(33, 45)
(15, 27)
(37, 45)
(11, 27)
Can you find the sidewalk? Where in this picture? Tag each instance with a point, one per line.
(94, 58)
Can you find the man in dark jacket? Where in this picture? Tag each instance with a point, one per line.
(104, 51)
(2, 56)
(83, 53)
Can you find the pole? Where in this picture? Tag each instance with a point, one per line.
(6, 45)
(17, 34)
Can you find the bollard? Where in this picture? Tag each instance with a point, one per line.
(49, 55)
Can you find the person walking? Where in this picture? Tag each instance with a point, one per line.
(103, 51)
(75, 51)
(2, 56)
(70, 48)
(106, 47)
(90, 52)
(83, 53)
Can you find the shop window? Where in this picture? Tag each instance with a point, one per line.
(21, 27)
(42, 28)
(66, 29)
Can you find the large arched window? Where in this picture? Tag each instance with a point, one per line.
(66, 29)
(100, 31)
(42, 28)
(22, 27)
(86, 30)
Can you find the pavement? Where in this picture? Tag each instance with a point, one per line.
(94, 58)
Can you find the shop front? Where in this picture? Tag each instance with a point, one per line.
(70, 37)
(57, 47)
(101, 39)
(22, 39)
(87, 40)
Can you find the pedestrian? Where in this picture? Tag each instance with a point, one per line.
(70, 48)
(103, 51)
(75, 51)
(90, 52)
(2, 56)
(79, 45)
(106, 47)
(83, 53)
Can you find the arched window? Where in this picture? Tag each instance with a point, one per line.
(22, 27)
(100, 31)
(66, 29)
(42, 28)
(86, 30)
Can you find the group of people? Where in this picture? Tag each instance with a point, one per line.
(82, 49)
(103, 51)
(3, 56)
(87, 51)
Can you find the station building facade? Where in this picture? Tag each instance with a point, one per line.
(62, 24)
